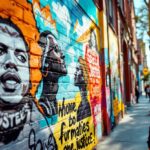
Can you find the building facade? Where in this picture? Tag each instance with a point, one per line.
(68, 69)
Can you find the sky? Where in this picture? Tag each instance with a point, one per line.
(137, 4)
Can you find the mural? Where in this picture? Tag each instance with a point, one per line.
(92, 59)
(17, 106)
(84, 106)
(50, 79)
(117, 103)
(13, 83)
(53, 67)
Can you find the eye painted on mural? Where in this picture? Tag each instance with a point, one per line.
(3, 49)
(21, 55)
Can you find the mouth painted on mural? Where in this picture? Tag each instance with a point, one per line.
(10, 81)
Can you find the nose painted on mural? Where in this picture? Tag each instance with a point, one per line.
(10, 79)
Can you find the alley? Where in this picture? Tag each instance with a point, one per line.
(132, 132)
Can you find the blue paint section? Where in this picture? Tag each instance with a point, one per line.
(43, 3)
(99, 131)
(39, 90)
(66, 36)
(106, 57)
(119, 91)
(90, 8)
(41, 24)
(30, 1)
(48, 121)
(65, 15)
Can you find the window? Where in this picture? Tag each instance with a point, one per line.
(111, 12)
(111, 6)
(121, 4)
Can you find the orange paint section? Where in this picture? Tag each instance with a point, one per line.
(45, 13)
(20, 13)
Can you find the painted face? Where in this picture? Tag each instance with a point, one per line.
(78, 78)
(14, 66)
(53, 58)
(93, 39)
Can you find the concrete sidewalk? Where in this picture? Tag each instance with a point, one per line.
(132, 131)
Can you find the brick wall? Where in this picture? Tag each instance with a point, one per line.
(50, 78)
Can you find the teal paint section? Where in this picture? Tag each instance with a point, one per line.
(106, 57)
(66, 36)
(30, 1)
(90, 8)
(43, 3)
(48, 121)
(61, 32)
(39, 90)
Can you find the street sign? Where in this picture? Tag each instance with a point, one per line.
(145, 71)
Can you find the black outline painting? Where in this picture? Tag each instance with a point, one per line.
(14, 86)
(53, 67)
(79, 81)
(17, 109)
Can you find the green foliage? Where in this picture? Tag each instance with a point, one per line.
(143, 19)
(146, 77)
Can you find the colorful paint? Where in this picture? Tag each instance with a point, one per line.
(117, 103)
(50, 78)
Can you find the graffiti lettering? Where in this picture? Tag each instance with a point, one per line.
(10, 120)
(73, 133)
(94, 72)
(69, 147)
(72, 121)
(84, 141)
(35, 144)
(93, 58)
(66, 109)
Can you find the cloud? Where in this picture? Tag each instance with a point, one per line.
(80, 29)
(63, 15)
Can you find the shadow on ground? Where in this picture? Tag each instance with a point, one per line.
(132, 131)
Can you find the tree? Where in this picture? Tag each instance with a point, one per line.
(143, 19)
(146, 77)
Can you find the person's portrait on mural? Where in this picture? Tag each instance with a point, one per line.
(17, 109)
(53, 67)
(84, 106)
(14, 63)
(92, 40)
(14, 85)
(92, 61)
